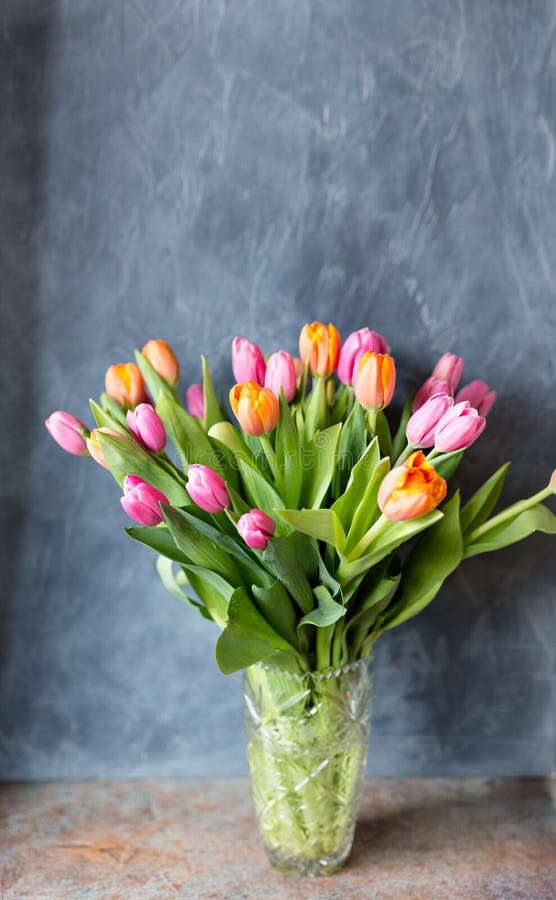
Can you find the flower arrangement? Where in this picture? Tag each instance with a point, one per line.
(291, 528)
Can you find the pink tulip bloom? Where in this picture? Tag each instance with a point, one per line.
(207, 489)
(67, 431)
(247, 361)
(195, 400)
(479, 395)
(449, 368)
(427, 390)
(141, 501)
(146, 425)
(280, 373)
(422, 424)
(256, 528)
(356, 344)
(458, 428)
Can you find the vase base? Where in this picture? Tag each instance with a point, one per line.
(307, 866)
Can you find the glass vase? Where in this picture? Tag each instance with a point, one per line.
(307, 738)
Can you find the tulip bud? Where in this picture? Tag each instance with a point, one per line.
(449, 368)
(256, 528)
(552, 482)
(146, 425)
(141, 501)
(256, 408)
(421, 426)
(207, 489)
(479, 395)
(375, 380)
(355, 345)
(195, 400)
(68, 432)
(247, 361)
(124, 383)
(458, 428)
(427, 390)
(411, 490)
(163, 360)
(280, 373)
(94, 448)
(319, 345)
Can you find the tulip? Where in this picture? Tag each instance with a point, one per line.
(319, 345)
(94, 448)
(552, 482)
(411, 490)
(163, 360)
(427, 390)
(479, 395)
(356, 344)
(280, 373)
(256, 528)
(299, 366)
(247, 361)
(255, 407)
(68, 432)
(195, 400)
(124, 383)
(146, 425)
(458, 428)
(375, 380)
(449, 368)
(207, 489)
(141, 501)
(421, 426)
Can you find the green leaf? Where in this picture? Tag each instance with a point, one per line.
(293, 560)
(316, 407)
(126, 457)
(213, 413)
(400, 440)
(165, 569)
(430, 562)
(368, 509)
(247, 638)
(106, 419)
(159, 539)
(201, 550)
(214, 591)
(383, 433)
(370, 606)
(288, 455)
(109, 405)
(448, 467)
(276, 606)
(155, 384)
(479, 507)
(351, 447)
(322, 524)
(360, 476)
(536, 518)
(327, 612)
(257, 489)
(186, 434)
(319, 460)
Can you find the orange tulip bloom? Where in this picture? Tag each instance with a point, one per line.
(375, 380)
(319, 345)
(256, 408)
(93, 445)
(411, 490)
(163, 360)
(124, 383)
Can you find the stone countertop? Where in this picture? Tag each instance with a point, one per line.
(416, 838)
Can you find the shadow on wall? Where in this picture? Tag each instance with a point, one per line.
(24, 40)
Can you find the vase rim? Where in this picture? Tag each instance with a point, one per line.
(318, 674)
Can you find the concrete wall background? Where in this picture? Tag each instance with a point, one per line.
(195, 170)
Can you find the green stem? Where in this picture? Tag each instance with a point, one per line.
(371, 535)
(270, 455)
(324, 640)
(371, 421)
(407, 452)
(509, 513)
(436, 457)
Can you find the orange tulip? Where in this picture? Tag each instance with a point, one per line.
(163, 360)
(319, 345)
(93, 445)
(411, 490)
(124, 383)
(375, 380)
(256, 408)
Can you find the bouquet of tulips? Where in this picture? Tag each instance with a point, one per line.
(307, 523)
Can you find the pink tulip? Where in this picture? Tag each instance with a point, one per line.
(256, 528)
(479, 395)
(146, 425)
(280, 373)
(195, 400)
(458, 428)
(356, 344)
(67, 431)
(207, 489)
(449, 368)
(247, 361)
(427, 390)
(141, 501)
(422, 424)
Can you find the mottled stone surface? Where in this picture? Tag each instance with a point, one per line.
(417, 838)
(193, 170)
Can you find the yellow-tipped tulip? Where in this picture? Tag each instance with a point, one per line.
(375, 380)
(319, 345)
(256, 408)
(163, 360)
(124, 383)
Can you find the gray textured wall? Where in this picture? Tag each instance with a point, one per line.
(193, 170)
